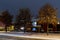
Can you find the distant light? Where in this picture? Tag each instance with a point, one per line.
(12, 26)
(58, 22)
(34, 29)
(34, 23)
(22, 28)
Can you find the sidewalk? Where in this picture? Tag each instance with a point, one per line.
(4, 31)
(32, 35)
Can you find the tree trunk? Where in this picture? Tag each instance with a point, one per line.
(6, 28)
(54, 28)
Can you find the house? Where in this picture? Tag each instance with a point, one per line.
(2, 26)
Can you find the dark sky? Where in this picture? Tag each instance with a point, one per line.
(34, 5)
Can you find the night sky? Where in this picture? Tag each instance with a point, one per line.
(34, 5)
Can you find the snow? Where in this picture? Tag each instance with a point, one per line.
(51, 36)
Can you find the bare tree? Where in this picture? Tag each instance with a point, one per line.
(6, 19)
(23, 18)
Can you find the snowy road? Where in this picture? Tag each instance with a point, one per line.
(29, 36)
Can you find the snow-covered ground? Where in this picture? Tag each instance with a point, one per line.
(51, 36)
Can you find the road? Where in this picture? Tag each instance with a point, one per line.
(28, 36)
(4, 36)
(15, 38)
